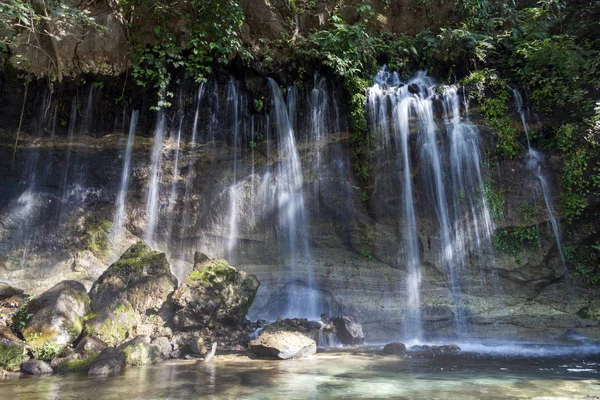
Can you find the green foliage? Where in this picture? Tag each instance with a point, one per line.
(46, 352)
(491, 92)
(347, 49)
(213, 35)
(22, 316)
(11, 356)
(495, 200)
(512, 241)
(51, 20)
(586, 262)
(258, 104)
(214, 29)
(573, 184)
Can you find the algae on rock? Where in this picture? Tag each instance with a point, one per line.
(132, 296)
(213, 294)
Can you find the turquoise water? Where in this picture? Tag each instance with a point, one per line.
(334, 374)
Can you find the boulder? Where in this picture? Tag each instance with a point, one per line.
(213, 294)
(394, 349)
(163, 346)
(109, 361)
(349, 330)
(282, 341)
(36, 367)
(11, 350)
(132, 296)
(74, 362)
(89, 345)
(139, 351)
(57, 318)
(7, 291)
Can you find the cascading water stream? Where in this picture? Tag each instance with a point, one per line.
(155, 174)
(452, 177)
(534, 164)
(233, 111)
(119, 218)
(318, 118)
(189, 179)
(293, 225)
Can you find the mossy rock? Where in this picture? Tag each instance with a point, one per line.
(57, 318)
(135, 290)
(79, 365)
(96, 237)
(114, 324)
(11, 350)
(139, 352)
(214, 294)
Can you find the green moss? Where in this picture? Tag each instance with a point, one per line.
(138, 259)
(512, 241)
(113, 327)
(215, 273)
(81, 365)
(96, 237)
(11, 356)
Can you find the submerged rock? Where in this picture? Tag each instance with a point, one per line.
(36, 367)
(394, 349)
(132, 296)
(139, 351)
(349, 330)
(11, 350)
(282, 341)
(57, 318)
(109, 361)
(437, 350)
(213, 294)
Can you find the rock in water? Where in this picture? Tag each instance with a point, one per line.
(11, 350)
(349, 330)
(132, 293)
(213, 294)
(282, 341)
(109, 361)
(394, 349)
(36, 367)
(57, 318)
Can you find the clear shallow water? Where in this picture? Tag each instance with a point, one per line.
(333, 374)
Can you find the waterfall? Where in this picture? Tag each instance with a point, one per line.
(318, 103)
(152, 203)
(189, 179)
(293, 226)
(233, 105)
(119, 218)
(452, 181)
(534, 164)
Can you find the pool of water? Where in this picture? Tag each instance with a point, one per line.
(348, 374)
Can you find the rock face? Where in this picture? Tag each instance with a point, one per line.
(282, 341)
(132, 296)
(36, 367)
(213, 294)
(349, 330)
(394, 349)
(57, 316)
(109, 361)
(11, 350)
